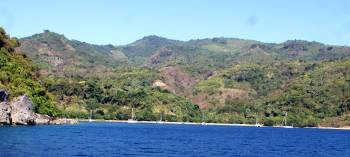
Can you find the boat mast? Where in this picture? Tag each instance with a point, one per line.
(202, 117)
(284, 122)
(132, 113)
(90, 116)
(161, 116)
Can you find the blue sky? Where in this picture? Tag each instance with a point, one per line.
(124, 21)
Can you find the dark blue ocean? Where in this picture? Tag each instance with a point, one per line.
(119, 139)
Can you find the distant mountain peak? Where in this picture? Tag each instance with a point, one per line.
(302, 42)
(51, 48)
(47, 34)
(154, 40)
(153, 37)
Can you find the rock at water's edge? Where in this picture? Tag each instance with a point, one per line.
(41, 119)
(64, 121)
(5, 113)
(22, 111)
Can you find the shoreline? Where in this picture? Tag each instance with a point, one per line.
(212, 124)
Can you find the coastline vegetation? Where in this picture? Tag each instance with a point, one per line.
(218, 80)
(18, 75)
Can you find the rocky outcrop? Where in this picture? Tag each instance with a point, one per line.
(5, 113)
(41, 119)
(20, 111)
(64, 121)
(4, 108)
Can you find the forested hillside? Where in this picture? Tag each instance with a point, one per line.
(215, 80)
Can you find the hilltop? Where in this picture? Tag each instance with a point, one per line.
(54, 53)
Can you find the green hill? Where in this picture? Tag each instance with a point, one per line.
(140, 50)
(216, 80)
(55, 54)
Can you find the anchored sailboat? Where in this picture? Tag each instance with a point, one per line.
(257, 124)
(203, 123)
(90, 116)
(284, 122)
(132, 120)
(160, 119)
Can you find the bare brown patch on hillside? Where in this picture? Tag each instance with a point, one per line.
(201, 101)
(205, 101)
(159, 56)
(178, 81)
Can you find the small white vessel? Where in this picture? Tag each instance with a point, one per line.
(90, 120)
(287, 127)
(284, 122)
(257, 124)
(203, 123)
(160, 119)
(132, 119)
(160, 122)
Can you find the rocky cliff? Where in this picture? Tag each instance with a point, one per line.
(20, 111)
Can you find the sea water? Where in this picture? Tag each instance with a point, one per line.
(123, 139)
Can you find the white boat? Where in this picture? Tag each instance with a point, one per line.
(132, 119)
(203, 123)
(284, 122)
(257, 124)
(287, 127)
(160, 122)
(90, 120)
(160, 119)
